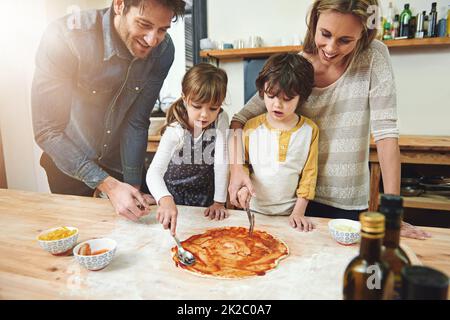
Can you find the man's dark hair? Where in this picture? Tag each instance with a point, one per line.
(286, 73)
(177, 6)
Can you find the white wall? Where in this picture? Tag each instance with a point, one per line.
(422, 75)
(21, 28)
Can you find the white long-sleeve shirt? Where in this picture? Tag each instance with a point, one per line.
(172, 141)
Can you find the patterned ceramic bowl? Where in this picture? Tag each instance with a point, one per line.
(58, 247)
(97, 261)
(345, 231)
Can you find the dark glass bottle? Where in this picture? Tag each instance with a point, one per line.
(367, 277)
(405, 18)
(432, 21)
(425, 25)
(392, 208)
(412, 27)
(424, 283)
(396, 27)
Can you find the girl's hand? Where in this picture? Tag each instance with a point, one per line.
(167, 213)
(298, 221)
(243, 196)
(216, 211)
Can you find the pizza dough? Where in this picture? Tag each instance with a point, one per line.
(230, 253)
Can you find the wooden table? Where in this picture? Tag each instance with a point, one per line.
(153, 143)
(426, 150)
(142, 267)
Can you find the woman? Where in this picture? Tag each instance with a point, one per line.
(354, 96)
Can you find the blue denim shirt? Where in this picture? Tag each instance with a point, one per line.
(91, 100)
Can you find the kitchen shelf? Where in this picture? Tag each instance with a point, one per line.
(426, 203)
(228, 54)
(412, 43)
(248, 52)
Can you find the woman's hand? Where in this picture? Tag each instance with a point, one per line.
(216, 211)
(244, 197)
(239, 179)
(167, 213)
(409, 231)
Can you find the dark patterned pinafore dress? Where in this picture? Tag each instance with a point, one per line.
(190, 174)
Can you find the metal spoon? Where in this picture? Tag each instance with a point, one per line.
(184, 256)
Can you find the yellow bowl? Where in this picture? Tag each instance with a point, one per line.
(61, 246)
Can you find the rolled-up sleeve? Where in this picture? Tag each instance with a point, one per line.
(51, 102)
(382, 96)
(253, 108)
(134, 140)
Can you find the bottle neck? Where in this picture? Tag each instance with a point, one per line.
(392, 238)
(370, 248)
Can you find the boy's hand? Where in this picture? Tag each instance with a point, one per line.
(216, 211)
(243, 196)
(297, 219)
(167, 213)
(300, 222)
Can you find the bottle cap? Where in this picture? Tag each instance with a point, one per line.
(421, 283)
(372, 223)
(406, 5)
(391, 200)
(392, 207)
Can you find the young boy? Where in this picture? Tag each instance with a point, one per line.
(281, 148)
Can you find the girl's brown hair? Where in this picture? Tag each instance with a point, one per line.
(364, 10)
(203, 83)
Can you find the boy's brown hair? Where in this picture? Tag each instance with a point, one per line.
(286, 73)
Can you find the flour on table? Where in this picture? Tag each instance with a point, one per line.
(143, 268)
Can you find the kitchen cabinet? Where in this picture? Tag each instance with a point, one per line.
(419, 150)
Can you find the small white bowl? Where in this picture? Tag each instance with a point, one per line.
(99, 261)
(61, 246)
(345, 237)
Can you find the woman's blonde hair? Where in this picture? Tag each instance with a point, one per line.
(203, 83)
(364, 10)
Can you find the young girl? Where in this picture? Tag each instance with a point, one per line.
(190, 166)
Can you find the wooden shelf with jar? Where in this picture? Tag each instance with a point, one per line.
(229, 54)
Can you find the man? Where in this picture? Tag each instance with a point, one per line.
(97, 79)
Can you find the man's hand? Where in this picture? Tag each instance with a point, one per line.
(216, 211)
(167, 213)
(239, 179)
(148, 199)
(126, 199)
(409, 231)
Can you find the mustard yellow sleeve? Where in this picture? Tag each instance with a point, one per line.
(308, 178)
(246, 142)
